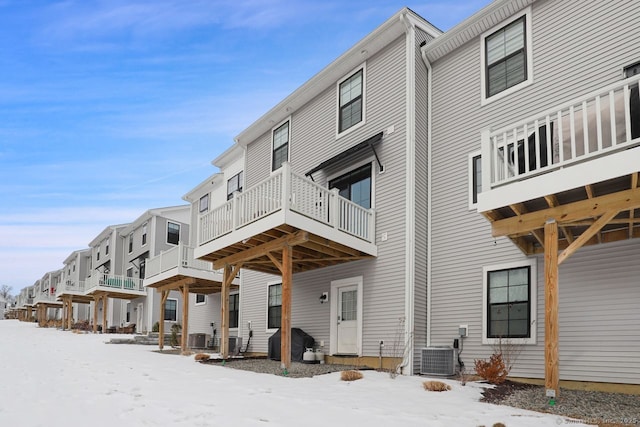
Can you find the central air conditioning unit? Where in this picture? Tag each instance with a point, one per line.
(235, 343)
(197, 340)
(437, 361)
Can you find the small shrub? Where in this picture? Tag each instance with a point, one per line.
(156, 327)
(202, 356)
(175, 328)
(350, 375)
(494, 370)
(499, 425)
(436, 386)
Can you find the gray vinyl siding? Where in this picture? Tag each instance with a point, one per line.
(201, 316)
(568, 60)
(312, 141)
(420, 189)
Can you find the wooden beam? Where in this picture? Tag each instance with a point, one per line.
(275, 261)
(164, 294)
(519, 209)
(227, 277)
(285, 321)
(261, 250)
(565, 214)
(185, 317)
(552, 201)
(173, 286)
(588, 234)
(551, 303)
(589, 191)
(105, 303)
(96, 300)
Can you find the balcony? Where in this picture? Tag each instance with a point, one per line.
(279, 208)
(73, 288)
(115, 286)
(45, 298)
(577, 163)
(179, 264)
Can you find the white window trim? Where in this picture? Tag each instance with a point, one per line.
(333, 326)
(472, 206)
(288, 119)
(239, 317)
(529, 49)
(200, 210)
(532, 263)
(195, 300)
(130, 245)
(165, 312)
(355, 166)
(362, 66)
(166, 236)
(266, 307)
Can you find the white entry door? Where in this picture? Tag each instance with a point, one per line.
(139, 318)
(347, 330)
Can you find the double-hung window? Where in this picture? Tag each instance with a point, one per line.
(144, 234)
(509, 298)
(506, 54)
(280, 153)
(173, 233)
(350, 99)
(201, 299)
(130, 242)
(234, 310)
(171, 310)
(234, 184)
(274, 306)
(204, 203)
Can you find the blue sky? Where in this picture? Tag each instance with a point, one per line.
(109, 108)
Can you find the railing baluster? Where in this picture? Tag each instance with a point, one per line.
(560, 139)
(612, 118)
(598, 122)
(549, 143)
(627, 112)
(585, 128)
(572, 128)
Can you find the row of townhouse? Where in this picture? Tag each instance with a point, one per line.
(432, 190)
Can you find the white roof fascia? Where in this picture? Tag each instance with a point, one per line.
(201, 188)
(390, 30)
(481, 21)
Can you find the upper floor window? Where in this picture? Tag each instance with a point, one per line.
(130, 242)
(106, 249)
(509, 302)
(173, 233)
(201, 299)
(355, 185)
(475, 178)
(280, 145)
(350, 96)
(204, 204)
(506, 57)
(98, 255)
(144, 234)
(234, 184)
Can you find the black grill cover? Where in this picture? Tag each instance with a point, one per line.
(300, 341)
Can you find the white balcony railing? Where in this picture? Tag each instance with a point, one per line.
(598, 124)
(70, 286)
(44, 297)
(179, 256)
(287, 190)
(114, 282)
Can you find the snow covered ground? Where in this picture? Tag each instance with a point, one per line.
(54, 378)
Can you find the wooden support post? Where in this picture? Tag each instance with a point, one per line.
(224, 311)
(96, 300)
(551, 303)
(105, 302)
(163, 301)
(70, 313)
(185, 317)
(285, 325)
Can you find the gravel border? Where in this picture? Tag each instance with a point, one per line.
(592, 407)
(297, 369)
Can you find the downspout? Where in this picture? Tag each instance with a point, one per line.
(407, 356)
(429, 203)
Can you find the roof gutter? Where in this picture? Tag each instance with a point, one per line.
(429, 203)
